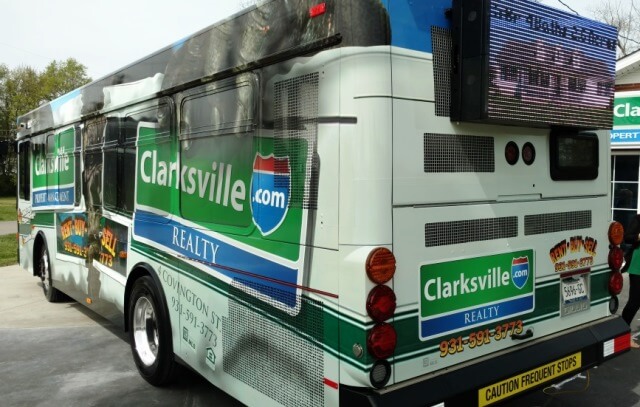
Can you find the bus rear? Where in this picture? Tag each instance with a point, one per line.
(506, 265)
(384, 202)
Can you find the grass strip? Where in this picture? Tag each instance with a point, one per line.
(8, 250)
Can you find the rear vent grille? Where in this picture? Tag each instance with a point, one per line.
(473, 230)
(556, 222)
(296, 130)
(275, 354)
(455, 153)
(442, 49)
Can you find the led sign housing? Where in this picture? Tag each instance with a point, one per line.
(522, 63)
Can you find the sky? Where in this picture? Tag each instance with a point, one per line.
(105, 35)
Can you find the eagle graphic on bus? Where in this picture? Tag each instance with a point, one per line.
(270, 192)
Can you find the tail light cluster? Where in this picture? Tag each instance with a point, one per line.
(616, 257)
(381, 305)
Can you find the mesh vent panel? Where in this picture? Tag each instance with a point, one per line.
(556, 222)
(296, 132)
(473, 230)
(442, 46)
(281, 363)
(455, 153)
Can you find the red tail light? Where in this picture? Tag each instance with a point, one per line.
(381, 265)
(616, 258)
(615, 283)
(381, 303)
(615, 233)
(511, 153)
(382, 340)
(318, 10)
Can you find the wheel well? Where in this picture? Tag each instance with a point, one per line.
(138, 271)
(37, 248)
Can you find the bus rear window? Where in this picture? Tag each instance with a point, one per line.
(574, 156)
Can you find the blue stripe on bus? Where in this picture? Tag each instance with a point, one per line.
(411, 22)
(220, 256)
(474, 317)
(53, 196)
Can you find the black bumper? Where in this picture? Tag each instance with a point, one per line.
(460, 387)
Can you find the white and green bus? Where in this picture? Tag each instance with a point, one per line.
(322, 202)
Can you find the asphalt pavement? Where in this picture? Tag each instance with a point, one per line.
(64, 355)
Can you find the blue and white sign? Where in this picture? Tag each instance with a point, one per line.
(626, 137)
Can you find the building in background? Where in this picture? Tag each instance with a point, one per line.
(625, 140)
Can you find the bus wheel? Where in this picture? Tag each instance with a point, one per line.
(50, 292)
(150, 333)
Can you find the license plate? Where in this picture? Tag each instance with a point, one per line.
(574, 294)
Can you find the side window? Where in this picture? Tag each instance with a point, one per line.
(216, 155)
(625, 188)
(157, 175)
(120, 153)
(93, 137)
(39, 181)
(24, 171)
(51, 175)
(55, 176)
(77, 154)
(111, 180)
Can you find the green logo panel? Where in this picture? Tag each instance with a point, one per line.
(208, 181)
(54, 171)
(470, 292)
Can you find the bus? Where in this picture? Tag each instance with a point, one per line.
(323, 202)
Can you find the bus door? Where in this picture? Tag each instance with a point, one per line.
(25, 214)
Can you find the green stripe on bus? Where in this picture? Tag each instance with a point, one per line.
(355, 332)
(43, 219)
(310, 310)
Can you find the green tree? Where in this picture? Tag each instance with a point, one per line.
(23, 89)
(59, 78)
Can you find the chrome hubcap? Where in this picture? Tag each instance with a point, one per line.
(44, 271)
(145, 331)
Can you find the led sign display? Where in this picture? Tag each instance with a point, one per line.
(522, 63)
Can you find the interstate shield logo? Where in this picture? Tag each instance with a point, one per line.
(520, 271)
(270, 191)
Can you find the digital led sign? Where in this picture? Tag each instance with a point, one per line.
(522, 63)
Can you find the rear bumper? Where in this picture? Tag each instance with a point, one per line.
(460, 387)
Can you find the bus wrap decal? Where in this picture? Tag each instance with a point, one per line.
(54, 172)
(193, 243)
(295, 259)
(408, 348)
(471, 292)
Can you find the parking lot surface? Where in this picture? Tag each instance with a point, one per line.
(64, 355)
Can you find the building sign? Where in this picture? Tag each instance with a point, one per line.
(626, 120)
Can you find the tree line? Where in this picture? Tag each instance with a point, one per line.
(625, 16)
(23, 89)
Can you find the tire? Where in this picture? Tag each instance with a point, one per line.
(51, 293)
(150, 333)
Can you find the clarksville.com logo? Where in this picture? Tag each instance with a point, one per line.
(270, 192)
(520, 271)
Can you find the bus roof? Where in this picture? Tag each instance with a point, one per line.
(260, 35)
